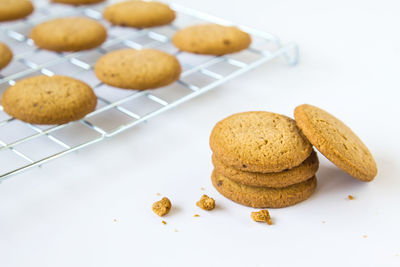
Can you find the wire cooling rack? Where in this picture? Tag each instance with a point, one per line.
(24, 145)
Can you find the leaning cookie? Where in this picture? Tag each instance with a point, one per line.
(139, 14)
(5, 55)
(69, 34)
(138, 69)
(49, 100)
(211, 39)
(295, 175)
(263, 197)
(336, 141)
(77, 2)
(15, 9)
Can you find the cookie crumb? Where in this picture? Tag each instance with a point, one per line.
(364, 236)
(162, 207)
(261, 216)
(164, 222)
(115, 220)
(202, 188)
(323, 222)
(206, 203)
(196, 215)
(158, 194)
(350, 197)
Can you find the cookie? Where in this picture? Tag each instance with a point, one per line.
(5, 55)
(49, 100)
(137, 69)
(211, 39)
(295, 175)
(139, 14)
(77, 2)
(259, 141)
(15, 9)
(336, 141)
(263, 197)
(69, 34)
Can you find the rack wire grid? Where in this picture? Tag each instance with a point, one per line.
(24, 146)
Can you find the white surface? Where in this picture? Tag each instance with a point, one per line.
(62, 214)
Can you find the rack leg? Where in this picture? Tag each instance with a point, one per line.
(292, 54)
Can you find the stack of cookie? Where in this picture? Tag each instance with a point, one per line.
(262, 159)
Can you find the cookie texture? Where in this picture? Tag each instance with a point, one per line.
(139, 14)
(336, 141)
(49, 100)
(263, 197)
(138, 69)
(295, 175)
(15, 9)
(259, 141)
(69, 34)
(211, 39)
(5, 55)
(77, 2)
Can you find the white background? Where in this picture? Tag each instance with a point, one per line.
(63, 214)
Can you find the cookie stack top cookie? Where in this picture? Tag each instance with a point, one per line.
(259, 141)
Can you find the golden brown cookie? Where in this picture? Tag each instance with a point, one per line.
(49, 100)
(69, 34)
(15, 9)
(295, 175)
(263, 197)
(139, 14)
(336, 141)
(138, 69)
(5, 55)
(259, 141)
(77, 2)
(211, 39)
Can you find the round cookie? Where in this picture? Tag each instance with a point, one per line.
(15, 9)
(295, 175)
(336, 141)
(138, 69)
(263, 197)
(211, 39)
(139, 14)
(49, 100)
(259, 141)
(69, 34)
(77, 2)
(5, 55)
